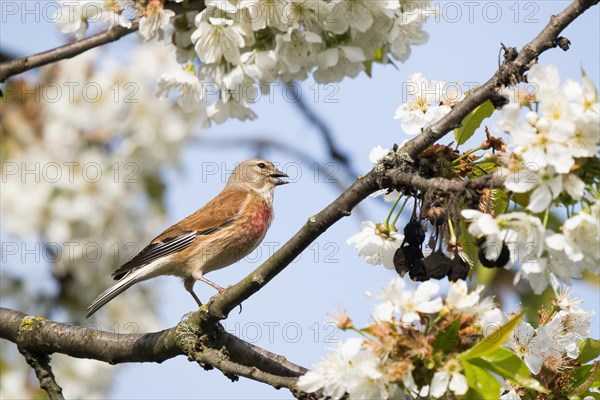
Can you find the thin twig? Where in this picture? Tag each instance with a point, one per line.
(40, 363)
(70, 50)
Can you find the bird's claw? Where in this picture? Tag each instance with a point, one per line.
(213, 298)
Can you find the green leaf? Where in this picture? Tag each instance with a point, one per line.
(499, 201)
(447, 338)
(508, 365)
(494, 341)
(482, 384)
(585, 377)
(483, 168)
(473, 121)
(368, 68)
(590, 349)
(521, 199)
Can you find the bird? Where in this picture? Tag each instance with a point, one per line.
(222, 232)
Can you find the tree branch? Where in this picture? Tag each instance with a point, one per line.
(510, 72)
(208, 344)
(40, 363)
(22, 64)
(46, 336)
(70, 50)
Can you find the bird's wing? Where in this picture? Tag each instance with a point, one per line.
(219, 213)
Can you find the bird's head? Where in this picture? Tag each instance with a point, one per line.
(256, 174)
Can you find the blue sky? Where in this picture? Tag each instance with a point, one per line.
(288, 316)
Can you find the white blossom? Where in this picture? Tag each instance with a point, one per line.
(376, 247)
(407, 30)
(449, 378)
(367, 381)
(220, 111)
(563, 298)
(409, 303)
(546, 184)
(488, 316)
(528, 347)
(75, 16)
(297, 51)
(191, 94)
(459, 298)
(338, 62)
(566, 330)
(265, 13)
(332, 373)
(522, 233)
(217, 38)
(420, 109)
(546, 145)
(582, 238)
(153, 23)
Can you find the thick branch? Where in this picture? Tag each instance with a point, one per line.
(206, 343)
(40, 363)
(444, 186)
(246, 353)
(45, 336)
(233, 370)
(509, 73)
(70, 50)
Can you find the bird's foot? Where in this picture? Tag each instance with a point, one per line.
(213, 298)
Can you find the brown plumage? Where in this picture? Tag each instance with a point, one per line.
(222, 232)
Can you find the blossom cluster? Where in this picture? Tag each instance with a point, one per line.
(550, 160)
(556, 339)
(398, 352)
(418, 346)
(552, 155)
(119, 129)
(549, 150)
(541, 252)
(126, 137)
(236, 49)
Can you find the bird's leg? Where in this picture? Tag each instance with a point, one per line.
(188, 283)
(196, 298)
(203, 279)
(217, 287)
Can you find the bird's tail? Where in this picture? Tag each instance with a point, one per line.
(134, 276)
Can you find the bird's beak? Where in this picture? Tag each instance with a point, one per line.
(278, 174)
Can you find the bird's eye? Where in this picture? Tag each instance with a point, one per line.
(261, 165)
